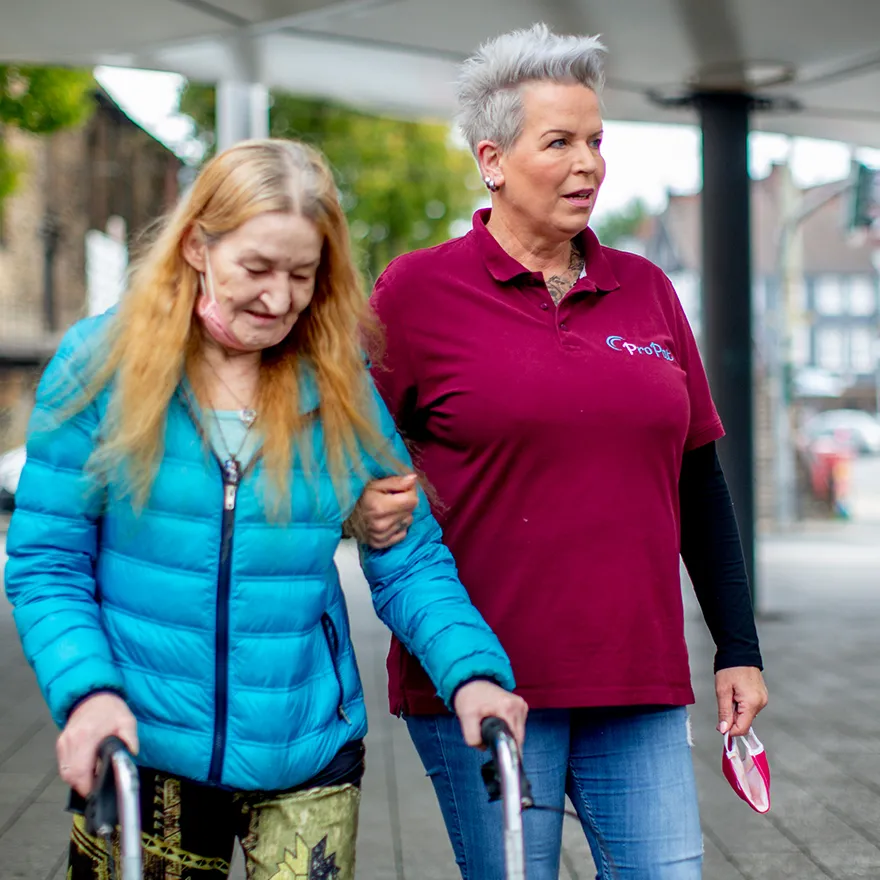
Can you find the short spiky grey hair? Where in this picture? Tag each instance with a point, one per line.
(489, 98)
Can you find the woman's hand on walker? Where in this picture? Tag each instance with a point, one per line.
(93, 720)
(484, 699)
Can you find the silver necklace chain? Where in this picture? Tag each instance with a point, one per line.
(232, 456)
(247, 414)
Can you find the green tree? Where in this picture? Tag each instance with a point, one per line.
(621, 224)
(403, 184)
(40, 100)
(11, 167)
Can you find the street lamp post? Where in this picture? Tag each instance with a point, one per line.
(50, 232)
(782, 368)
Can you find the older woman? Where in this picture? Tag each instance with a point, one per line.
(555, 399)
(191, 461)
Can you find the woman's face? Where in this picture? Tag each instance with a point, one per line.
(551, 175)
(263, 275)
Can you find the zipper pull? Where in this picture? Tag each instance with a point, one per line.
(229, 492)
(231, 479)
(343, 714)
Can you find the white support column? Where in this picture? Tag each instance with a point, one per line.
(242, 99)
(242, 112)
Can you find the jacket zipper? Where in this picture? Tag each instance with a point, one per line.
(332, 638)
(231, 471)
(231, 474)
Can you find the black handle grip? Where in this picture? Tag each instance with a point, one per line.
(102, 811)
(491, 728)
(109, 747)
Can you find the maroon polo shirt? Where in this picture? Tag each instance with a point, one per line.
(553, 438)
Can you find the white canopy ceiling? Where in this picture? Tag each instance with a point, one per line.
(401, 55)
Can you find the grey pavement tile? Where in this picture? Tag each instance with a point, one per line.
(781, 866)
(864, 767)
(19, 792)
(37, 753)
(797, 813)
(577, 860)
(717, 865)
(56, 793)
(16, 732)
(60, 872)
(32, 848)
(15, 787)
(840, 857)
(21, 701)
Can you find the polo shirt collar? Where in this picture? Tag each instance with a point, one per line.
(504, 268)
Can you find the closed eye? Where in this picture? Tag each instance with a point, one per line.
(256, 272)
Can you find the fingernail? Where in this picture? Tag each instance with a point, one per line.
(723, 727)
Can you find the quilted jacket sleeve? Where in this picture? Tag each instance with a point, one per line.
(417, 594)
(53, 543)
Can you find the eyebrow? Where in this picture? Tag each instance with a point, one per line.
(256, 256)
(568, 133)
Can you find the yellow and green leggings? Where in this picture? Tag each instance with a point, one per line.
(189, 831)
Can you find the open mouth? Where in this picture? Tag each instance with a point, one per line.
(262, 317)
(579, 196)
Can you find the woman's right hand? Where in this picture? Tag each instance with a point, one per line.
(92, 721)
(481, 699)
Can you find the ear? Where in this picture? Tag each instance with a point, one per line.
(193, 248)
(489, 158)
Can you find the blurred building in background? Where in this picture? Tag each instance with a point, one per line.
(816, 300)
(85, 196)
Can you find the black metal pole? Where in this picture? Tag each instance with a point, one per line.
(727, 295)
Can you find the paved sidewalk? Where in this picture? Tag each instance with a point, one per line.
(821, 594)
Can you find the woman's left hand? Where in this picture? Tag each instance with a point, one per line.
(482, 699)
(384, 512)
(741, 695)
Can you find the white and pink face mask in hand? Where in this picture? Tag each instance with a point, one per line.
(745, 767)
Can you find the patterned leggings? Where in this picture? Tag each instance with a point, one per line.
(189, 831)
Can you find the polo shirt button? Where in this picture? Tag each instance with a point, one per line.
(564, 326)
(544, 306)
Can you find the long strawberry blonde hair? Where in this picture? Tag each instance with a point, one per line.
(156, 338)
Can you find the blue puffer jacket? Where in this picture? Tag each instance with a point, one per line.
(227, 634)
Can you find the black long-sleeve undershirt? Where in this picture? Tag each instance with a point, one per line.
(712, 553)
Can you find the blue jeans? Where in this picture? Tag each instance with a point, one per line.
(629, 774)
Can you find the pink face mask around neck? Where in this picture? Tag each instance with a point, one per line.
(208, 311)
(748, 773)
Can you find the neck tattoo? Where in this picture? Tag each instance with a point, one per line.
(559, 285)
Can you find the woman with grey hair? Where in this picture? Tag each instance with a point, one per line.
(552, 392)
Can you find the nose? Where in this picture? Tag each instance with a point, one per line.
(585, 160)
(277, 296)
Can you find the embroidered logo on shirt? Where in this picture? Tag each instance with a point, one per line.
(652, 349)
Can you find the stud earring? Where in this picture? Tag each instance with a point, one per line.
(490, 184)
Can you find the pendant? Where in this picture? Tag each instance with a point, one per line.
(247, 416)
(231, 472)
